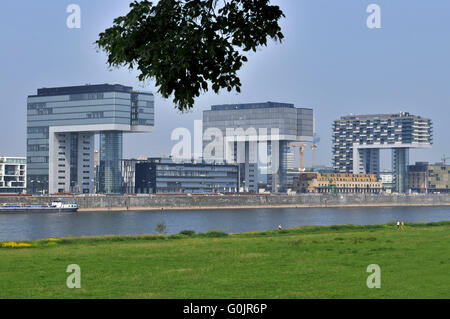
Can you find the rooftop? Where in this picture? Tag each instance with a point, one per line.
(380, 116)
(246, 106)
(88, 88)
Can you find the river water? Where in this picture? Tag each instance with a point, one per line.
(15, 227)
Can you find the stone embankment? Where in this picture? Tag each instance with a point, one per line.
(181, 202)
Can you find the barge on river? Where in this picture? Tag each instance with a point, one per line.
(54, 207)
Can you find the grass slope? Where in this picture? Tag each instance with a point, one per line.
(305, 262)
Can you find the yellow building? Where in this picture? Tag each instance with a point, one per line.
(313, 182)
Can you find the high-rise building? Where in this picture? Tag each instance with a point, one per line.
(13, 175)
(61, 125)
(257, 134)
(357, 140)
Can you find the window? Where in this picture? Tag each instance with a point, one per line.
(46, 111)
(95, 115)
(36, 106)
(86, 96)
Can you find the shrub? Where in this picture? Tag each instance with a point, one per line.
(176, 236)
(161, 228)
(187, 232)
(216, 233)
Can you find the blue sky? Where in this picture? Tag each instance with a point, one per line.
(329, 61)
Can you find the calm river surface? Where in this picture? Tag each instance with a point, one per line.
(14, 227)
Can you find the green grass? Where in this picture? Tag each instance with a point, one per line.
(304, 262)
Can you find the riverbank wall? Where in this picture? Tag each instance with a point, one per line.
(183, 202)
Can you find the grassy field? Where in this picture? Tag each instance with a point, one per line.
(305, 262)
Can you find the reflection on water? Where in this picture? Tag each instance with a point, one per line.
(36, 226)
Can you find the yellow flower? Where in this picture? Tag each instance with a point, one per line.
(13, 244)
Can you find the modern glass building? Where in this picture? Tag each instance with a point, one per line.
(163, 176)
(61, 125)
(13, 173)
(357, 140)
(257, 135)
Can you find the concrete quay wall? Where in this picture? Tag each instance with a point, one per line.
(159, 202)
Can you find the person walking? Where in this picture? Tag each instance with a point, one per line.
(398, 225)
(403, 225)
(279, 227)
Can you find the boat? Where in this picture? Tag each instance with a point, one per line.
(54, 207)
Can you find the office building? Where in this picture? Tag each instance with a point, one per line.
(312, 182)
(13, 175)
(358, 139)
(61, 125)
(163, 176)
(429, 178)
(257, 135)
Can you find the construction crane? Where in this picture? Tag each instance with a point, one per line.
(301, 146)
(444, 158)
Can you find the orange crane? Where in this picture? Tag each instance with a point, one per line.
(301, 146)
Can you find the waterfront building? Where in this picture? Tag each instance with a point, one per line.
(13, 175)
(313, 182)
(429, 178)
(357, 140)
(257, 135)
(291, 175)
(387, 177)
(164, 175)
(61, 125)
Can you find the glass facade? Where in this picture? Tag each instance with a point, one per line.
(111, 154)
(400, 162)
(157, 176)
(61, 123)
(265, 120)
